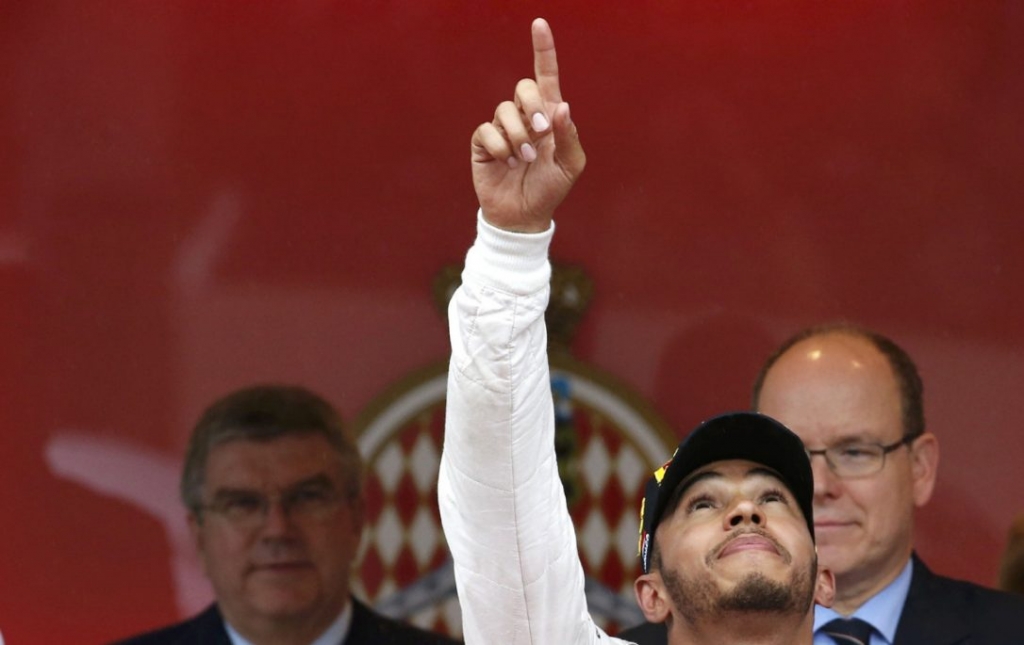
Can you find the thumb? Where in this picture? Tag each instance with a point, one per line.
(568, 151)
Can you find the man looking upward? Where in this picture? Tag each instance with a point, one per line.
(727, 536)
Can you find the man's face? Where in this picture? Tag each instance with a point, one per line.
(834, 389)
(286, 566)
(737, 541)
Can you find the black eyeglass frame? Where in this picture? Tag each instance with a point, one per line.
(906, 440)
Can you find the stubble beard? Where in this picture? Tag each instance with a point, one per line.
(699, 599)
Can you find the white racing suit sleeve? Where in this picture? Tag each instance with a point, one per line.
(503, 510)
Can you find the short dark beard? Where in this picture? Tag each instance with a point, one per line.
(756, 593)
(697, 598)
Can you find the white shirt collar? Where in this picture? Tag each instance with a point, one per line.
(333, 635)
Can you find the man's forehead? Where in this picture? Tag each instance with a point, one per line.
(836, 344)
(289, 447)
(278, 462)
(319, 480)
(831, 359)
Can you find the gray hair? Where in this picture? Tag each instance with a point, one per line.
(262, 413)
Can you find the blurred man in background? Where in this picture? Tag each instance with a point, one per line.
(273, 484)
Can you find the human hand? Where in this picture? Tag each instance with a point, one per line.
(526, 160)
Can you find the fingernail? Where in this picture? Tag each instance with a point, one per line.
(529, 154)
(568, 116)
(540, 122)
(512, 162)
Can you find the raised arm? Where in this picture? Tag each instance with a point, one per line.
(518, 573)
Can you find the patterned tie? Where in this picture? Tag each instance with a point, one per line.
(848, 631)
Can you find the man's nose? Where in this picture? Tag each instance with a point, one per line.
(744, 512)
(826, 483)
(276, 517)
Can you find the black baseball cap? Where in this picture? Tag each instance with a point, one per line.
(739, 435)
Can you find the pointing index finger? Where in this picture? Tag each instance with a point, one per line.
(545, 64)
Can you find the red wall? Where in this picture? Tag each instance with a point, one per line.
(197, 195)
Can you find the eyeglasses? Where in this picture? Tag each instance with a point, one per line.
(249, 509)
(859, 459)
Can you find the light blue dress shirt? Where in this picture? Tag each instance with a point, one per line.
(882, 611)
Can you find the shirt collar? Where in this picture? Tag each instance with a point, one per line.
(334, 634)
(882, 610)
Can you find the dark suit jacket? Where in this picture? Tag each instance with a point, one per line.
(943, 611)
(938, 611)
(368, 628)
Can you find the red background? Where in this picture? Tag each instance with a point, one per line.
(197, 195)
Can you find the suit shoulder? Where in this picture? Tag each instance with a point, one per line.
(991, 604)
(164, 635)
(987, 611)
(975, 593)
(370, 627)
(203, 629)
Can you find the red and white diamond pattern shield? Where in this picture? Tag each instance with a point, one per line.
(405, 569)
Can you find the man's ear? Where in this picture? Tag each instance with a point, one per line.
(825, 587)
(652, 597)
(195, 529)
(924, 466)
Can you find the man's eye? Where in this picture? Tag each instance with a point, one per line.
(773, 496)
(854, 452)
(309, 498)
(242, 505)
(700, 503)
(312, 495)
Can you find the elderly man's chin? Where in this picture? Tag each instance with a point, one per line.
(283, 601)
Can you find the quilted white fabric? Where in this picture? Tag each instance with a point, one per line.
(503, 510)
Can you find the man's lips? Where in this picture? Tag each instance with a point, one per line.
(830, 525)
(748, 542)
(283, 566)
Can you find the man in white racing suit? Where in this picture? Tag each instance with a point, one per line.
(726, 540)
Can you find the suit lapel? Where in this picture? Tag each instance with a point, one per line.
(362, 628)
(931, 613)
(206, 629)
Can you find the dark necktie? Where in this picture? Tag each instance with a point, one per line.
(848, 631)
